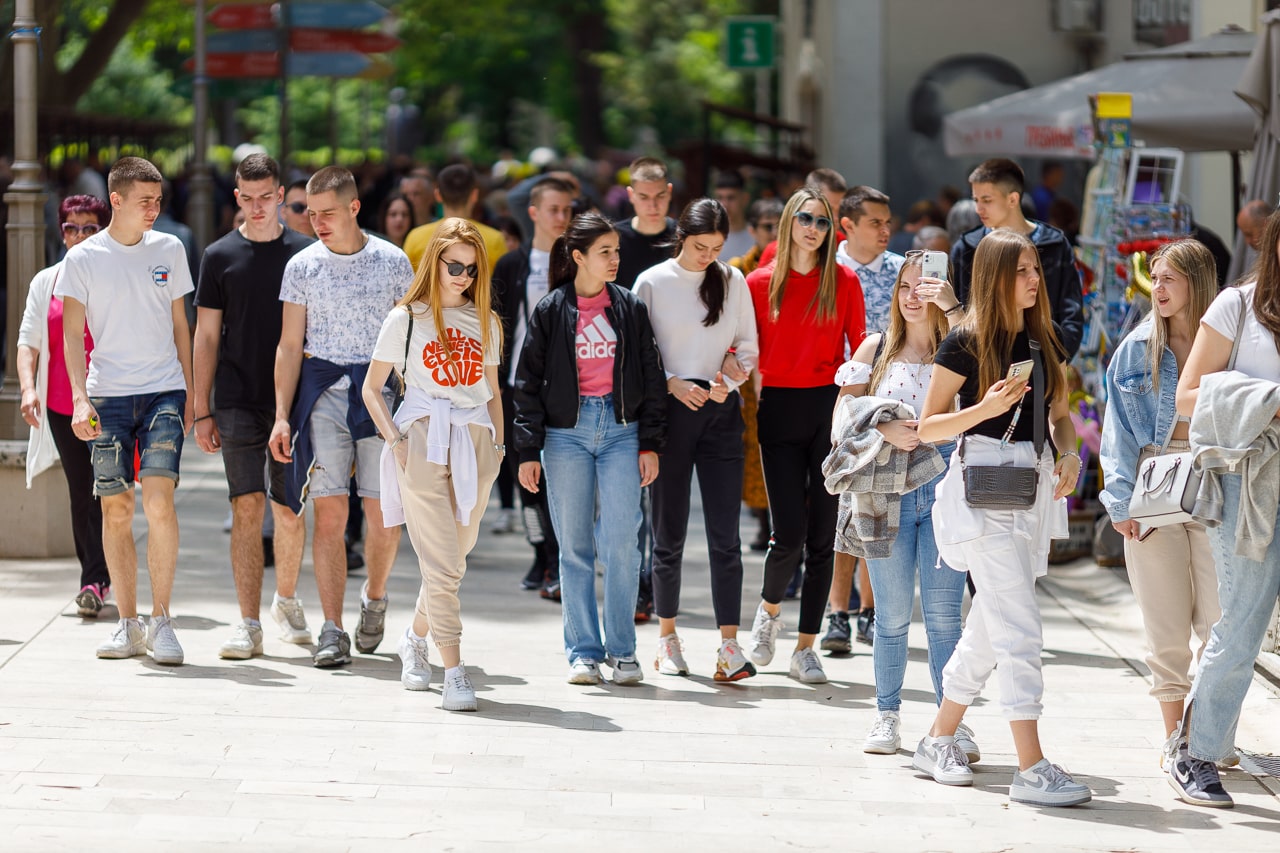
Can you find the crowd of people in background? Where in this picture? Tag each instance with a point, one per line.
(388, 345)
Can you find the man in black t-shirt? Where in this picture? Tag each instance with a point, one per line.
(237, 329)
(648, 238)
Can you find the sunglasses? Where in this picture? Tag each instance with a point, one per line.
(456, 268)
(808, 220)
(70, 229)
(298, 207)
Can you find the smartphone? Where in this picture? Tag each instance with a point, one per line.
(1020, 372)
(934, 265)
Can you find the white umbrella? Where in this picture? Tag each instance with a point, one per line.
(1257, 87)
(1181, 99)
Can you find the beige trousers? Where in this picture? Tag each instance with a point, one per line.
(441, 542)
(1175, 581)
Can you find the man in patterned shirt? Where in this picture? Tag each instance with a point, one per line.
(864, 218)
(336, 293)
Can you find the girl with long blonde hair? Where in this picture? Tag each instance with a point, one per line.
(444, 443)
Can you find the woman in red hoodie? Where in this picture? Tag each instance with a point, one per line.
(809, 313)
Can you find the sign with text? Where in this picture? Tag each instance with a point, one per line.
(749, 41)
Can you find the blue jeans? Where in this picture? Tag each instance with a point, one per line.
(893, 580)
(595, 465)
(1247, 591)
(150, 422)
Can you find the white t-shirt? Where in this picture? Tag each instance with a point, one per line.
(535, 288)
(737, 244)
(1257, 356)
(345, 295)
(128, 294)
(459, 377)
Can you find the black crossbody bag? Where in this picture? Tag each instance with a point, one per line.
(1008, 486)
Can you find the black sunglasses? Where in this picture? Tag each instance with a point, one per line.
(298, 207)
(808, 220)
(456, 268)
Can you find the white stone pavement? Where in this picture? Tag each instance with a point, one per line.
(272, 754)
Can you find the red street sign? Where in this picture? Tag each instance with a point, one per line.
(242, 16)
(239, 65)
(308, 39)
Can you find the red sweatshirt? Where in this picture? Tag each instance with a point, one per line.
(796, 351)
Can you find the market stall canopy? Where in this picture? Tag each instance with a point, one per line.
(1182, 98)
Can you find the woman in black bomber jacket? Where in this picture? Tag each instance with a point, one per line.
(590, 404)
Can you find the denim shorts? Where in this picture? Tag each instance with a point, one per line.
(248, 463)
(152, 423)
(338, 456)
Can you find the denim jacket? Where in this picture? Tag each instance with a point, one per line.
(1135, 417)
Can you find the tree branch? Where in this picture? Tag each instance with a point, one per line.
(66, 87)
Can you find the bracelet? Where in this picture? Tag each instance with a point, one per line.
(399, 438)
(500, 449)
(959, 306)
(203, 418)
(1067, 453)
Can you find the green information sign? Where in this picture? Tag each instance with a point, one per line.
(749, 41)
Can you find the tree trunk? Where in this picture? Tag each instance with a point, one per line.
(587, 35)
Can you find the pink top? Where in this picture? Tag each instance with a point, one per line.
(595, 344)
(59, 394)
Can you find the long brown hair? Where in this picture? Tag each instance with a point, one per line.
(426, 283)
(1192, 259)
(1266, 272)
(895, 337)
(992, 318)
(825, 299)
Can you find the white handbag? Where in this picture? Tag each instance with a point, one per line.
(1165, 489)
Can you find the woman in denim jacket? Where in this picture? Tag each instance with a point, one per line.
(1171, 568)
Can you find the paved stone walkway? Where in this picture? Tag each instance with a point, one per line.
(272, 754)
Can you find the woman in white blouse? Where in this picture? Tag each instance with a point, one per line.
(706, 331)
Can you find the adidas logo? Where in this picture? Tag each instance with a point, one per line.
(596, 340)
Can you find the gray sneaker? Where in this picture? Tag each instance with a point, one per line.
(334, 648)
(288, 614)
(806, 668)
(839, 637)
(372, 624)
(964, 740)
(459, 694)
(1197, 781)
(245, 642)
(943, 760)
(626, 669)
(127, 641)
(764, 634)
(1045, 784)
(415, 666)
(162, 642)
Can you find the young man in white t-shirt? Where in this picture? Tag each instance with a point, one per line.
(128, 284)
(336, 293)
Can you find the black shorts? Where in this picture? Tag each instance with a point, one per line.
(249, 464)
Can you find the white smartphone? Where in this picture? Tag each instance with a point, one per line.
(934, 265)
(1020, 372)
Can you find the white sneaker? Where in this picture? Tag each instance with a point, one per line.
(884, 737)
(731, 663)
(626, 669)
(162, 642)
(292, 621)
(764, 633)
(415, 668)
(969, 746)
(1045, 784)
(670, 659)
(245, 642)
(504, 523)
(584, 671)
(459, 694)
(806, 668)
(943, 760)
(127, 641)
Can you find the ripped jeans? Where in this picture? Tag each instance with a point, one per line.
(152, 423)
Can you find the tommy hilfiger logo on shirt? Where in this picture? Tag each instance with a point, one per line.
(596, 340)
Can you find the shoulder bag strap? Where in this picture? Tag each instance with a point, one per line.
(408, 336)
(1037, 391)
(1235, 343)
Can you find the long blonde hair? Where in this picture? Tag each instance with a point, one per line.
(992, 317)
(426, 283)
(825, 299)
(1192, 259)
(895, 337)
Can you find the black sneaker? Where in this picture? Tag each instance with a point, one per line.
(839, 637)
(537, 572)
(1197, 782)
(551, 589)
(334, 648)
(644, 607)
(355, 560)
(867, 626)
(268, 552)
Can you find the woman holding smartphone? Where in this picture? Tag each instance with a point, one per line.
(590, 397)
(1004, 549)
(1171, 568)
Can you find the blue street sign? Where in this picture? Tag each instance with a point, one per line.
(340, 64)
(335, 15)
(243, 41)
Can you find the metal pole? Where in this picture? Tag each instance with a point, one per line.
(282, 43)
(201, 182)
(25, 199)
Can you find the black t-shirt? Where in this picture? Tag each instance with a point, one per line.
(241, 278)
(638, 252)
(955, 354)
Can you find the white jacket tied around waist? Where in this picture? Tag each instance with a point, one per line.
(448, 443)
(41, 452)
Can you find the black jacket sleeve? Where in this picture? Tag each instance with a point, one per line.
(960, 253)
(531, 416)
(1065, 295)
(653, 408)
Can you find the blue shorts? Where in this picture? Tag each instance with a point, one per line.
(152, 423)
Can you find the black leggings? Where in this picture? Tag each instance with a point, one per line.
(709, 440)
(86, 511)
(795, 436)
